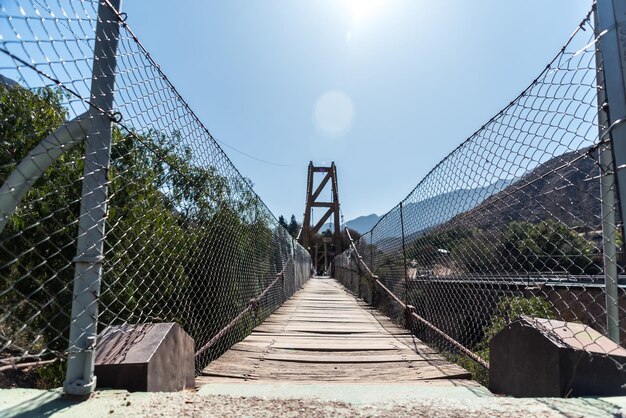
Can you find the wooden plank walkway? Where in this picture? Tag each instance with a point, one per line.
(324, 334)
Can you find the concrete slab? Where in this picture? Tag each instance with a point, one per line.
(26, 403)
(320, 400)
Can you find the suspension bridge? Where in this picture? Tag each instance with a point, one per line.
(132, 249)
(325, 334)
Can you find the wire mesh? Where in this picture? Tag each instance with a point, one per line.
(186, 238)
(513, 222)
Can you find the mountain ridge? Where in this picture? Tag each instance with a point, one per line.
(360, 224)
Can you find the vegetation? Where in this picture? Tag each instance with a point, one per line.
(547, 246)
(28, 279)
(507, 310)
(293, 227)
(184, 243)
(317, 239)
(522, 247)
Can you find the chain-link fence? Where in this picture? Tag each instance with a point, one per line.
(116, 197)
(520, 219)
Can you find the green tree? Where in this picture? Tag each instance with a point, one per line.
(480, 252)
(184, 243)
(37, 244)
(194, 246)
(548, 246)
(293, 227)
(508, 309)
(425, 249)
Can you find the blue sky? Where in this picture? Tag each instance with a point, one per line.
(385, 89)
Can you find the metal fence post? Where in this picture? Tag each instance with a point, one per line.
(296, 276)
(371, 250)
(611, 27)
(607, 198)
(406, 276)
(80, 379)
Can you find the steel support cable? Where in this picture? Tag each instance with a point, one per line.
(19, 366)
(410, 310)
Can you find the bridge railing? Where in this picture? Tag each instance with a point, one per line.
(117, 205)
(523, 218)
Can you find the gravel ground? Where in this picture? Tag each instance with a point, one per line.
(190, 404)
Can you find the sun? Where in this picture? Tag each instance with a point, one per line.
(363, 10)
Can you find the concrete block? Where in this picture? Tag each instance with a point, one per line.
(535, 357)
(145, 357)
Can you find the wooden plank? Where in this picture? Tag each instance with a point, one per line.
(300, 372)
(328, 334)
(324, 334)
(371, 358)
(307, 337)
(331, 346)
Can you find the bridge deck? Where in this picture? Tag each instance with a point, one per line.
(324, 334)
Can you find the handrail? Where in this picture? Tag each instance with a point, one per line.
(252, 304)
(411, 310)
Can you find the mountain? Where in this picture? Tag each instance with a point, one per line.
(362, 224)
(7, 81)
(432, 211)
(566, 188)
(424, 214)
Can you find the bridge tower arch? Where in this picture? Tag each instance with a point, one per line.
(329, 179)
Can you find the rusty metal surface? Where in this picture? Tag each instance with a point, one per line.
(579, 336)
(330, 176)
(145, 357)
(533, 357)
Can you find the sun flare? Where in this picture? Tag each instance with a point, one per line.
(333, 113)
(362, 10)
